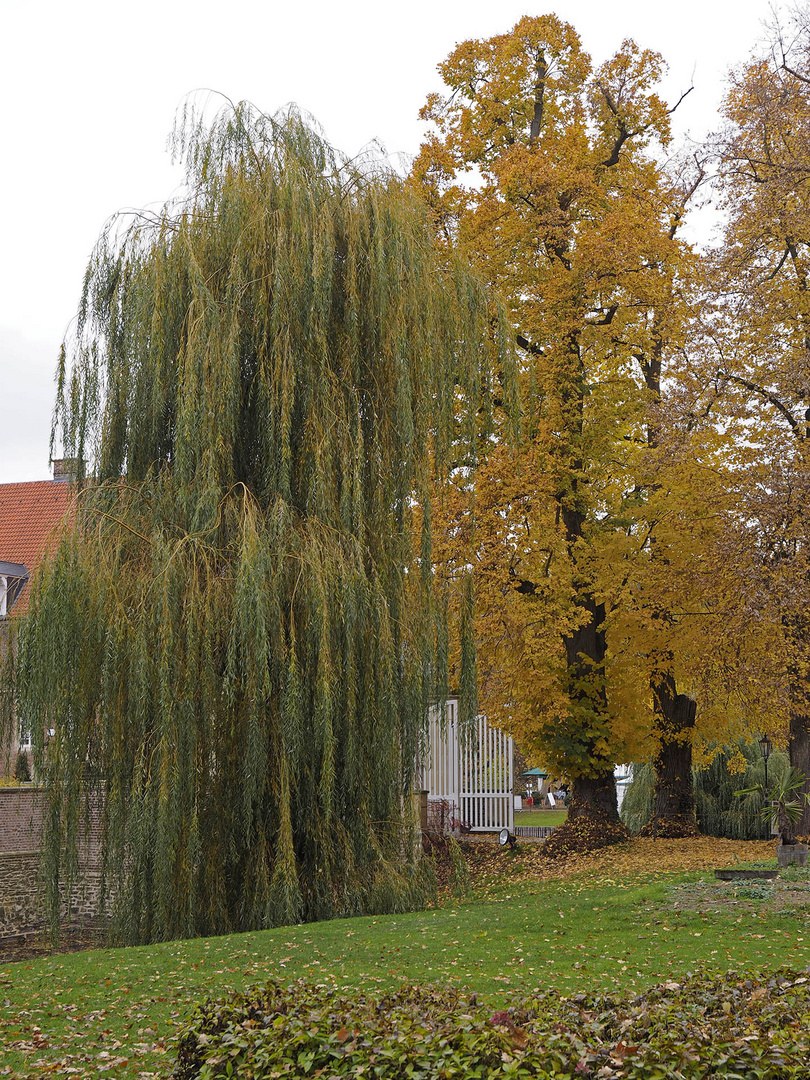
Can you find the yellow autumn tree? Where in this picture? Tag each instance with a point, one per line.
(761, 327)
(602, 633)
(541, 168)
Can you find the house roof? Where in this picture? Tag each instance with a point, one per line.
(30, 514)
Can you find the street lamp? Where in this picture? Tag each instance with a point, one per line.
(765, 747)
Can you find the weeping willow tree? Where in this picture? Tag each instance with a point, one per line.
(237, 642)
(722, 813)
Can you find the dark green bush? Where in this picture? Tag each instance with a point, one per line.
(719, 811)
(22, 770)
(732, 1027)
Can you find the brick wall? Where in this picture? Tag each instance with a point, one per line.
(21, 813)
(20, 903)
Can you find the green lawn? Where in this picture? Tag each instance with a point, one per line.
(540, 817)
(113, 1012)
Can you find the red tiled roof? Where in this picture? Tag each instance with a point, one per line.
(29, 516)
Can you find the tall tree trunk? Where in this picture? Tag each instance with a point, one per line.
(585, 650)
(593, 816)
(674, 807)
(594, 797)
(799, 750)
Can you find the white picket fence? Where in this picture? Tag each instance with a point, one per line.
(471, 772)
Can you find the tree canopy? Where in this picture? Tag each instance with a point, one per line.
(302, 440)
(570, 219)
(761, 327)
(237, 642)
(618, 589)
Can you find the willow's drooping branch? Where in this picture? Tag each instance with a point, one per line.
(237, 642)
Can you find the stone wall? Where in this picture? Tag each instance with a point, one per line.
(21, 899)
(20, 902)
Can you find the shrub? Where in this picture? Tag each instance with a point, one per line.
(719, 812)
(741, 1026)
(297, 1030)
(22, 770)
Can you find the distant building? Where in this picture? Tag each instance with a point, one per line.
(624, 778)
(30, 516)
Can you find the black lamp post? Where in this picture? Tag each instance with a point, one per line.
(765, 747)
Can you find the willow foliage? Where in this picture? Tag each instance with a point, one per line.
(237, 643)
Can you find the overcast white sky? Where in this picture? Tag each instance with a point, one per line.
(90, 87)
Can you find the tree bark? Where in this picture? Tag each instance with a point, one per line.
(593, 818)
(799, 750)
(585, 649)
(674, 804)
(674, 807)
(594, 796)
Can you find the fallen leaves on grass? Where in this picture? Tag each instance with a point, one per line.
(583, 834)
(753, 897)
(677, 827)
(491, 866)
(128, 1003)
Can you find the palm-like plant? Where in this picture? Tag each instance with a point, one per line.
(783, 803)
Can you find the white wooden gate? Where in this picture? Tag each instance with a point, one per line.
(470, 772)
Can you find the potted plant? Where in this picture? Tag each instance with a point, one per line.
(783, 809)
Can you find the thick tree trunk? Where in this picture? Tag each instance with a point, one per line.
(799, 750)
(594, 796)
(674, 807)
(593, 815)
(593, 818)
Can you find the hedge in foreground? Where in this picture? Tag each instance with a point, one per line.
(732, 1027)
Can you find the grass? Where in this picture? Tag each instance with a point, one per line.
(540, 817)
(113, 1012)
